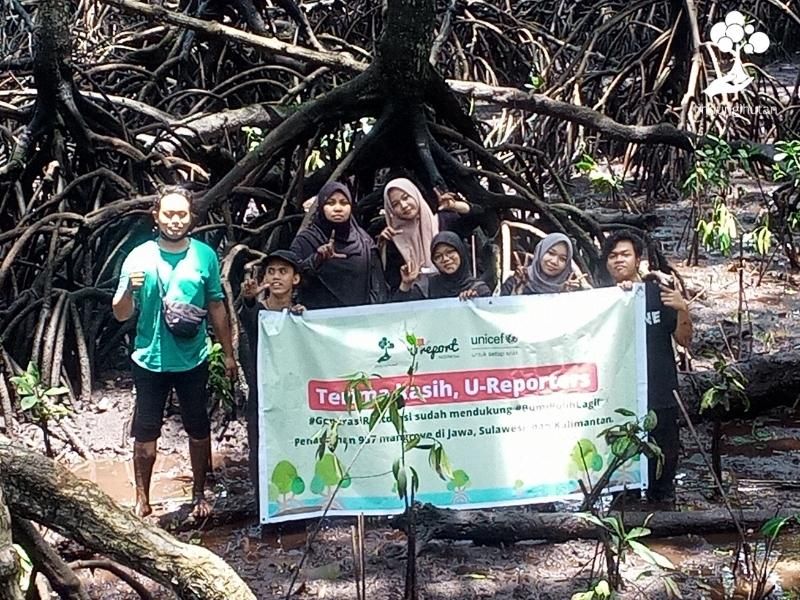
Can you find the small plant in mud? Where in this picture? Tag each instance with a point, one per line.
(330, 475)
(627, 441)
(604, 182)
(599, 591)
(40, 403)
(719, 231)
(220, 386)
(754, 563)
(716, 227)
(784, 202)
(728, 391)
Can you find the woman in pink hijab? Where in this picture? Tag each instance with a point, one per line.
(411, 226)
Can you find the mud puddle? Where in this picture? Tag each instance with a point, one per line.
(171, 482)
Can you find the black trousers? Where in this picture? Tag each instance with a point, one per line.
(152, 389)
(667, 436)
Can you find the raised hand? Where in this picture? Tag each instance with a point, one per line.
(136, 280)
(251, 288)
(409, 273)
(328, 251)
(388, 234)
(449, 201)
(523, 261)
(625, 285)
(673, 298)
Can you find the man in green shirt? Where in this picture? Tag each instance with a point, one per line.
(182, 271)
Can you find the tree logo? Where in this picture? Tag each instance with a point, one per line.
(385, 344)
(733, 36)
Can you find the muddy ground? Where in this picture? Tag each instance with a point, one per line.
(762, 462)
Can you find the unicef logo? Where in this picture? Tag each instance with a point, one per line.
(733, 36)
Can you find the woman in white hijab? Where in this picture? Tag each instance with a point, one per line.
(410, 228)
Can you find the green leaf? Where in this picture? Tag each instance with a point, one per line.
(625, 412)
(58, 391)
(651, 556)
(414, 480)
(773, 527)
(592, 519)
(22, 386)
(374, 416)
(395, 417)
(602, 589)
(28, 402)
(672, 588)
(638, 532)
(650, 421)
(444, 469)
(412, 441)
(402, 484)
(33, 371)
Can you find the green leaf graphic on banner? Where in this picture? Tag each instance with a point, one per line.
(584, 456)
(459, 482)
(327, 474)
(285, 481)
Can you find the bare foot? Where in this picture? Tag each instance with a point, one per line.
(142, 508)
(200, 508)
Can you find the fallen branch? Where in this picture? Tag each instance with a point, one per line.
(9, 565)
(117, 570)
(511, 525)
(41, 490)
(47, 562)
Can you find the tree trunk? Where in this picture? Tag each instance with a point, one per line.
(9, 566)
(41, 490)
(514, 524)
(772, 380)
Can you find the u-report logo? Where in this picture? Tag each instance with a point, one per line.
(733, 36)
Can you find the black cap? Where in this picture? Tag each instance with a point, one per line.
(284, 255)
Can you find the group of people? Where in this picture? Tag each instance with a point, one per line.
(174, 282)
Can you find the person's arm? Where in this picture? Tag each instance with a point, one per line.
(218, 315)
(222, 330)
(683, 326)
(311, 259)
(415, 293)
(508, 287)
(123, 305)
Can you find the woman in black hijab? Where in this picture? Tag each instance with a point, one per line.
(340, 264)
(449, 256)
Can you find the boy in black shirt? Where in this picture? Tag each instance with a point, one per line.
(667, 317)
(281, 277)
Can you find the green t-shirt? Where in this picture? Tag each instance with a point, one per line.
(188, 276)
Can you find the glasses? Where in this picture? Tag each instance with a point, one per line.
(440, 256)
